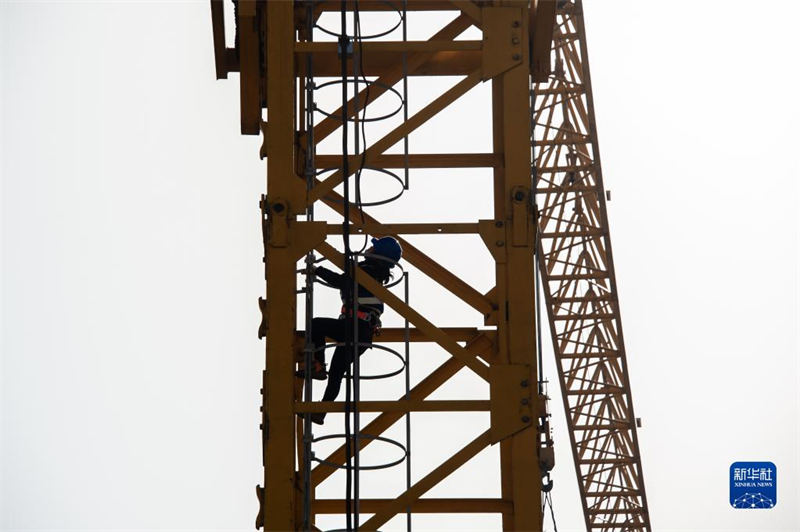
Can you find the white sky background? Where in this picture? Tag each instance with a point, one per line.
(131, 264)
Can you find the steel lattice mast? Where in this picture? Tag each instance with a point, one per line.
(580, 289)
(275, 55)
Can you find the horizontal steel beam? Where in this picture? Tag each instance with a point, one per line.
(598, 391)
(398, 334)
(397, 406)
(326, 64)
(370, 47)
(577, 316)
(407, 229)
(415, 160)
(384, 5)
(420, 506)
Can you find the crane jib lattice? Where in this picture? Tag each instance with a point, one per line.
(580, 290)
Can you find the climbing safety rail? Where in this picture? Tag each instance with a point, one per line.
(577, 269)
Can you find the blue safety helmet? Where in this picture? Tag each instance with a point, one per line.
(387, 247)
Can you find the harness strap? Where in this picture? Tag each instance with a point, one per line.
(363, 315)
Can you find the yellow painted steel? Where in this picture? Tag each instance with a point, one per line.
(503, 354)
(580, 296)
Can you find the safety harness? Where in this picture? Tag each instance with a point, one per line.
(371, 316)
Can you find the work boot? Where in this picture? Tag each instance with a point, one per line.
(318, 371)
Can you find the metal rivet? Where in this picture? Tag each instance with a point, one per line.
(524, 383)
(498, 223)
(500, 243)
(516, 57)
(524, 401)
(515, 24)
(515, 40)
(525, 419)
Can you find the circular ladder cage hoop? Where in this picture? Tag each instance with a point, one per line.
(360, 81)
(382, 348)
(376, 202)
(373, 467)
(392, 7)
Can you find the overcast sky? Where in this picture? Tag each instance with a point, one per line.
(131, 266)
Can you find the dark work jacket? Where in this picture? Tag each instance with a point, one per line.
(366, 301)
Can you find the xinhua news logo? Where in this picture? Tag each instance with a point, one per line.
(754, 485)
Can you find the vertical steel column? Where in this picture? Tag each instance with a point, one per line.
(309, 347)
(521, 476)
(286, 242)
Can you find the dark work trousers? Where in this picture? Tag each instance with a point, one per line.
(335, 329)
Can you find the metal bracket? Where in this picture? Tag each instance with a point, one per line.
(279, 224)
(521, 218)
(511, 400)
(262, 152)
(493, 233)
(263, 306)
(260, 516)
(502, 40)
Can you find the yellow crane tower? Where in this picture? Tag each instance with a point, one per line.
(548, 215)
